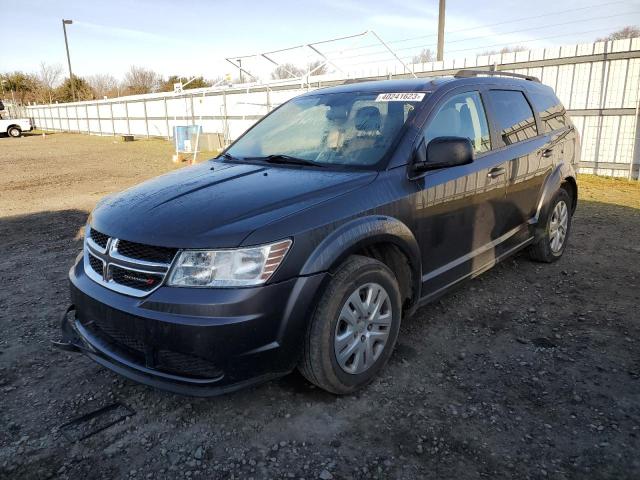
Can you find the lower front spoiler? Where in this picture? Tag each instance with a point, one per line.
(75, 338)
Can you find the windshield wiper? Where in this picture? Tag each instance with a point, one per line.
(288, 159)
(228, 156)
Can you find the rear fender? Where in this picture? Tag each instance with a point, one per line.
(551, 186)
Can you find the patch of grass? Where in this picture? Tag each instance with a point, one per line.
(616, 191)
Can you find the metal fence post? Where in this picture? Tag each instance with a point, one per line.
(225, 119)
(603, 88)
(99, 121)
(113, 122)
(166, 118)
(634, 166)
(126, 114)
(146, 119)
(193, 118)
(86, 112)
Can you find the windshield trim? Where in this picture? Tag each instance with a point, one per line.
(382, 164)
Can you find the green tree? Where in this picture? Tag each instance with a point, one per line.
(23, 85)
(198, 82)
(82, 88)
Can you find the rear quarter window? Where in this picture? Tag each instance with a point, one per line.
(513, 115)
(551, 111)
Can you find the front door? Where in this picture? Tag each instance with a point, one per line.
(460, 221)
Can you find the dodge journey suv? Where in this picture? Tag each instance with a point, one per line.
(312, 236)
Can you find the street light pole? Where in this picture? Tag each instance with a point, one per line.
(440, 52)
(66, 44)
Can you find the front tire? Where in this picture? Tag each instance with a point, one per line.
(14, 132)
(556, 234)
(354, 327)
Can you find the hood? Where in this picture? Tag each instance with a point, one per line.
(217, 204)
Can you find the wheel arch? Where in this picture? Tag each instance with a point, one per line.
(562, 176)
(381, 237)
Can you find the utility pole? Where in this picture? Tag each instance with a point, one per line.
(440, 53)
(240, 66)
(66, 44)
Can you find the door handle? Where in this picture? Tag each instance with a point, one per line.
(546, 153)
(495, 172)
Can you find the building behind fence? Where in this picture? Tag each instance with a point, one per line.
(597, 82)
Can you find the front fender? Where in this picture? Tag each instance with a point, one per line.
(360, 233)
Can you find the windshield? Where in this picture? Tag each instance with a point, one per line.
(353, 129)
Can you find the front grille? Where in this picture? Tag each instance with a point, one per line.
(133, 268)
(96, 264)
(133, 279)
(185, 364)
(148, 253)
(99, 238)
(169, 361)
(136, 345)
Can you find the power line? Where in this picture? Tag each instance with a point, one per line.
(413, 47)
(572, 10)
(496, 44)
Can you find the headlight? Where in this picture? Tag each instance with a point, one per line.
(228, 268)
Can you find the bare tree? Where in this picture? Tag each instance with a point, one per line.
(141, 80)
(287, 70)
(515, 48)
(425, 56)
(49, 77)
(630, 31)
(318, 67)
(104, 85)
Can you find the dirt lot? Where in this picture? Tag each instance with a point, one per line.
(530, 371)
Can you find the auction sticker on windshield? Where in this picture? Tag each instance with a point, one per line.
(400, 97)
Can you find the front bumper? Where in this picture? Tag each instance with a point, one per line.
(199, 342)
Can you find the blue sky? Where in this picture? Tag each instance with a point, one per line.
(194, 36)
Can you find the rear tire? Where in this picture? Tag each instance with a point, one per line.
(14, 132)
(354, 328)
(556, 234)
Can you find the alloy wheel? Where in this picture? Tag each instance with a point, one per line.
(558, 226)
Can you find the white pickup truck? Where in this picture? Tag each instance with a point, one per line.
(15, 126)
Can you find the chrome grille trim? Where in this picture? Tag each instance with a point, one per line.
(110, 256)
(114, 253)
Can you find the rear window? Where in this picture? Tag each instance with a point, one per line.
(513, 116)
(551, 111)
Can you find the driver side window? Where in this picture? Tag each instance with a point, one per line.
(462, 115)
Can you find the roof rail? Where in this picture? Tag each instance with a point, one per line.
(475, 73)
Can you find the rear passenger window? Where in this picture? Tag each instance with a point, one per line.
(513, 115)
(461, 116)
(551, 111)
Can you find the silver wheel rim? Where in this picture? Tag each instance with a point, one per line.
(558, 226)
(362, 329)
(13, 132)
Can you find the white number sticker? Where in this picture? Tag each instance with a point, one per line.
(400, 97)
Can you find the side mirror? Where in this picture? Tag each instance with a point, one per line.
(442, 152)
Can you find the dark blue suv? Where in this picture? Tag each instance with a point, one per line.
(309, 239)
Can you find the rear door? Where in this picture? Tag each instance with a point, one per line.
(459, 221)
(527, 153)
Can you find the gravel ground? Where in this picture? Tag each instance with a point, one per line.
(529, 371)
